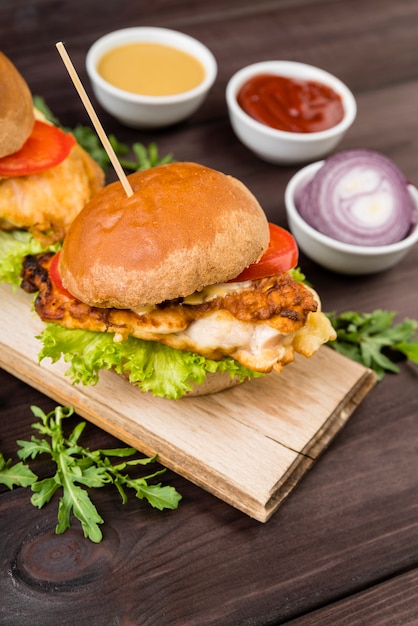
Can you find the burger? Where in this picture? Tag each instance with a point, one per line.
(182, 287)
(46, 177)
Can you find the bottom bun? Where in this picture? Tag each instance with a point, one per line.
(213, 383)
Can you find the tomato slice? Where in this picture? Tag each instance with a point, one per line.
(55, 276)
(281, 256)
(45, 147)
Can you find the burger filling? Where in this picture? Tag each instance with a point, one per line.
(260, 323)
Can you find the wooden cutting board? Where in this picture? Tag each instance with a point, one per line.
(249, 445)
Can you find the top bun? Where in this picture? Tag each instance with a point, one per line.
(185, 227)
(16, 111)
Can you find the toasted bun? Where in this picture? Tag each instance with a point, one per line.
(214, 383)
(185, 227)
(16, 110)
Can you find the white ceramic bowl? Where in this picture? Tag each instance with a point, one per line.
(282, 147)
(141, 111)
(337, 256)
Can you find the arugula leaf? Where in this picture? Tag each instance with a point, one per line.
(144, 157)
(18, 475)
(88, 140)
(78, 468)
(40, 104)
(372, 338)
(409, 349)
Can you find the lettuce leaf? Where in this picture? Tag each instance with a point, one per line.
(153, 367)
(14, 246)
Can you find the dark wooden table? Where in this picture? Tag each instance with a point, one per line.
(343, 549)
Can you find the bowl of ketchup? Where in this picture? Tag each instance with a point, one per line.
(288, 112)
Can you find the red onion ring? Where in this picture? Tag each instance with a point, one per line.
(359, 197)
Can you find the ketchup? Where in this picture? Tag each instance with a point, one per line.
(289, 104)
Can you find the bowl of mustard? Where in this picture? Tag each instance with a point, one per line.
(150, 77)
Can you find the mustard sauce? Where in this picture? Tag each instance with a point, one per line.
(151, 69)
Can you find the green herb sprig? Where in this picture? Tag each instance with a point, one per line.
(17, 475)
(79, 468)
(373, 339)
(142, 157)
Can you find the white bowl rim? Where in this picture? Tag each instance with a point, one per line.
(306, 173)
(284, 67)
(132, 35)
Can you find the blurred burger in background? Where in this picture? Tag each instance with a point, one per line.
(46, 177)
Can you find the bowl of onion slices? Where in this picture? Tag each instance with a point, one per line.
(353, 213)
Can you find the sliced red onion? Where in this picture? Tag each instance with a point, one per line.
(358, 197)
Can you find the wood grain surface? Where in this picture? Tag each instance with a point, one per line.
(343, 548)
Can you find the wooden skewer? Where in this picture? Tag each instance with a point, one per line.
(95, 120)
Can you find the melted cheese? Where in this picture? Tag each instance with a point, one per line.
(205, 295)
(144, 310)
(215, 291)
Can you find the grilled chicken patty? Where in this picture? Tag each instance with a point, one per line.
(259, 323)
